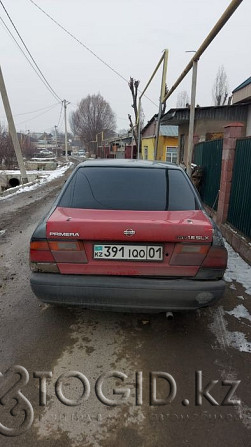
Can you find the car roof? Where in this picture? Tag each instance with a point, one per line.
(128, 163)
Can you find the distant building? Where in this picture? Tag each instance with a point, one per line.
(209, 123)
(242, 94)
(167, 143)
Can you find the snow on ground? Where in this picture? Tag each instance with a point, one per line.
(239, 312)
(238, 270)
(226, 338)
(44, 177)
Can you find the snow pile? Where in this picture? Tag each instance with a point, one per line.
(45, 177)
(239, 312)
(238, 270)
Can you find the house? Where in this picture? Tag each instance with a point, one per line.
(119, 146)
(242, 94)
(209, 123)
(167, 144)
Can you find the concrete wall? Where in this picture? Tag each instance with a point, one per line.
(41, 165)
(8, 180)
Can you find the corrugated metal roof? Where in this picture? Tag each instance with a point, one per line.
(169, 131)
(234, 112)
(244, 84)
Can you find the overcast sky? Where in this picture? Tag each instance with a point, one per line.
(130, 36)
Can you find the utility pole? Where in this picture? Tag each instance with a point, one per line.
(132, 146)
(162, 94)
(12, 130)
(213, 33)
(164, 56)
(65, 130)
(191, 118)
(56, 139)
(139, 128)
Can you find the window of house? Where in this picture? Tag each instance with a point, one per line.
(171, 154)
(145, 152)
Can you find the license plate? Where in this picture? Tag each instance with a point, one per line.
(128, 252)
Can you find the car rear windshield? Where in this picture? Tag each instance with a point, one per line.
(120, 188)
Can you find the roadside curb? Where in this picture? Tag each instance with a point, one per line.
(10, 191)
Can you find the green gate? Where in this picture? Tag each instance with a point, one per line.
(239, 211)
(208, 155)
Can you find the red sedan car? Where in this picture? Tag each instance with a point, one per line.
(128, 235)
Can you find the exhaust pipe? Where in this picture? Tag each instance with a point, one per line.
(169, 315)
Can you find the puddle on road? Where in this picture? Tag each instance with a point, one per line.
(99, 347)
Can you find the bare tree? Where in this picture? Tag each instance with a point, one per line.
(7, 154)
(164, 103)
(220, 87)
(182, 99)
(93, 116)
(28, 148)
(133, 86)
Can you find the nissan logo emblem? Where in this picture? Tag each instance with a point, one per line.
(129, 232)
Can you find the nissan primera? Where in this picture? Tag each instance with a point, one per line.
(128, 235)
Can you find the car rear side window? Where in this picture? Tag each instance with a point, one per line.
(141, 189)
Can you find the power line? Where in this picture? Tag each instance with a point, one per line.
(40, 114)
(47, 83)
(24, 54)
(60, 115)
(35, 111)
(79, 41)
(86, 47)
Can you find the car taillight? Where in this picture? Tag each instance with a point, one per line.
(44, 255)
(41, 258)
(189, 254)
(214, 264)
(40, 251)
(68, 251)
(216, 258)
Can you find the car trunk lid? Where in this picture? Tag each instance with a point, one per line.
(112, 225)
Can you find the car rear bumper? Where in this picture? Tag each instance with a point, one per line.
(126, 293)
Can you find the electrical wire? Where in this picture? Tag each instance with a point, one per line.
(41, 73)
(35, 111)
(86, 47)
(60, 115)
(23, 53)
(40, 114)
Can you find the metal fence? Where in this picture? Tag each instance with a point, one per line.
(208, 155)
(239, 212)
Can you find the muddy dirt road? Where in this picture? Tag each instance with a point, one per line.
(58, 341)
